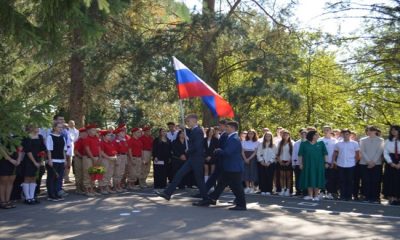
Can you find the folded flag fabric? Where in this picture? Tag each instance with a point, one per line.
(190, 85)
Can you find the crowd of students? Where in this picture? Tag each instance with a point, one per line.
(336, 165)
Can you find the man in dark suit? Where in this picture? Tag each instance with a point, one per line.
(233, 166)
(195, 162)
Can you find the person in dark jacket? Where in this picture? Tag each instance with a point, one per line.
(210, 144)
(161, 155)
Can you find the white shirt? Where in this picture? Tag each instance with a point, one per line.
(250, 145)
(346, 153)
(267, 154)
(172, 135)
(330, 146)
(73, 134)
(285, 154)
(50, 146)
(371, 150)
(296, 148)
(389, 148)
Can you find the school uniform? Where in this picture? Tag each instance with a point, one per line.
(110, 163)
(346, 162)
(93, 143)
(250, 172)
(161, 154)
(371, 151)
(179, 149)
(285, 172)
(33, 146)
(331, 173)
(147, 142)
(57, 146)
(391, 184)
(210, 146)
(266, 173)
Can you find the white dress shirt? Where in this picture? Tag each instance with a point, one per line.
(267, 154)
(346, 153)
(296, 148)
(330, 146)
(389, 148)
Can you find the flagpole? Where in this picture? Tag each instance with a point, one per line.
(182, 110)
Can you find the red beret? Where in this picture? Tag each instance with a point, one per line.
(135, 130)
(82, 130)
(90, 126)
(146, 128)
(104, 132)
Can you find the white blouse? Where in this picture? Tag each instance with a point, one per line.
(389, 148)
(250, 145)
(285, 154)
(266, 154)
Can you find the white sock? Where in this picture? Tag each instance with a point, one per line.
(25, 189)
(206, 178)
(32, 189)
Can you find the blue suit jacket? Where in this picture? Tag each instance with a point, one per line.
(222, 139)
(231, 154)
(196, 144)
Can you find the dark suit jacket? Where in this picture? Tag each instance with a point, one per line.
(196, 144)
(209, 150)
(222, 140)
(231, 154)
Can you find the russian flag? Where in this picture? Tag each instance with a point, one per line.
(190, 85)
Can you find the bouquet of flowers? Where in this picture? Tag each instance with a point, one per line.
(96, 172)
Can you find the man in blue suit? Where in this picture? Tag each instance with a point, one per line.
(195, 162)
(233, 166)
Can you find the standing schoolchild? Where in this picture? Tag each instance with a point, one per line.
(210, 144)
(295, 161)
(34, 149)
(108, 153)
(91, 146)
(284, 158)
(249, 154)
(56, 148)
(77, 161)
(121, 143)
(147, 142)
(161, 155)
(135, 161)
(266, 156)
(331, 172)
(391, 183)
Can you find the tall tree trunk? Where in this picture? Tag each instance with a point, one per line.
(208, 56)
(77, 85)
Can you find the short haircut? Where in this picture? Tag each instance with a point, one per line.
(345, 130)
(223, 122)
(310, 135)
(192, 116)
(170, 124)
(233, 124)
(57, 116)
(327, 126)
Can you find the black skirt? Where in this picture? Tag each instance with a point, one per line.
(391, 180)
(6, 168)
(30, 170)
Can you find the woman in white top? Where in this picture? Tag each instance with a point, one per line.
(284, 157)
(391, 178)
(249, 153)
(266, 154)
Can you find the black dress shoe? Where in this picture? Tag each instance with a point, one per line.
(204, 203)
(163, 195)
(198, 195)
(237, 208)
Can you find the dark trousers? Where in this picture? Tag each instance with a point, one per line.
(358, 185)
(212, 180)
(266, 177)
(186, 180)
(234, 181)
(346, 180)
(277, 178)
(160, 175)
(197, 165)
(371, 178)
(52, 181)
(297, 172)
(42, 170)
(332, 180)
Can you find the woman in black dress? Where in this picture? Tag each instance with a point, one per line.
(161, 155)
(210, 144)
(179, 157)
(10, 158)
(34, 149)
(391, 178)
